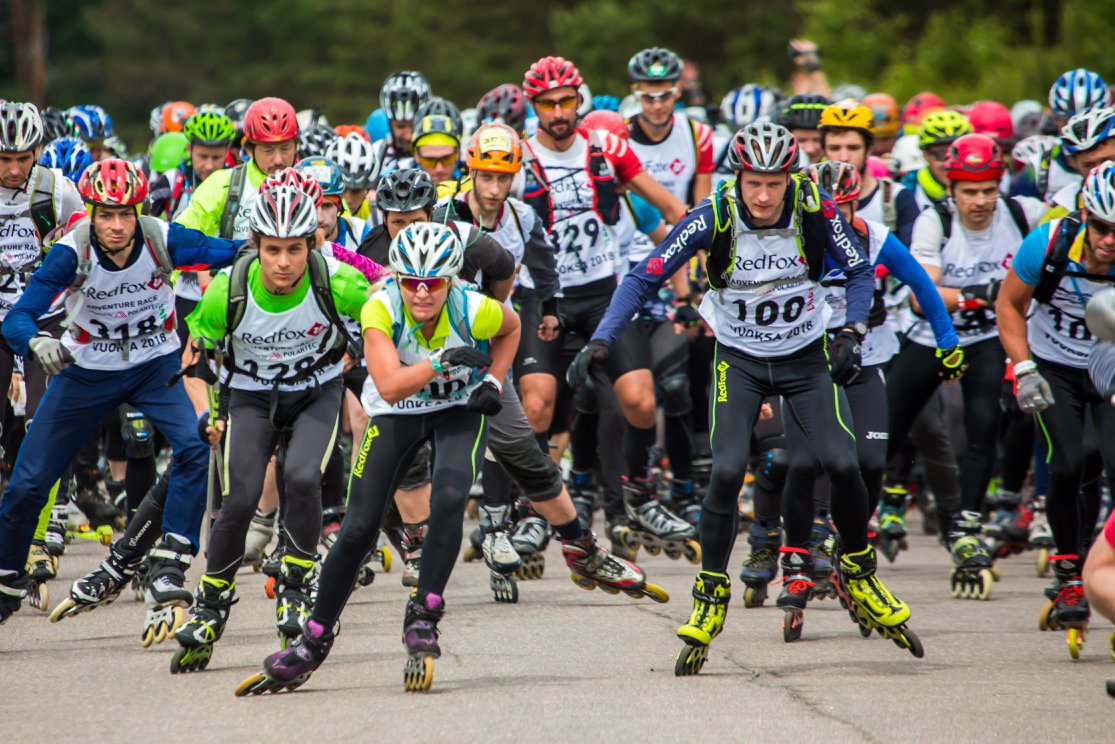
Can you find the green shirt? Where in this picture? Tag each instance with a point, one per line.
(207, 203)
(210, 317)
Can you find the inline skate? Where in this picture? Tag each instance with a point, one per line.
(592, 566)
(294, 597)
(165, 592)
(1008, 527)
(892, 522)
(529, 538)
(499, 554)
(711, 594)
(213, 601)
(40, 566)
(1041, 537)
(870, 604)
(1068, 610)
(420, 636)
(761, 565)
(971, 577)
(797, 587)
(13, 590)
(654, 527)
(820, 550)
(102, 585)
(260, 533)
(583, 490)
(288, 669)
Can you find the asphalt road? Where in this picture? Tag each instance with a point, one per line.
(569, 665)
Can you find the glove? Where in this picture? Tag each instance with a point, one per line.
(202, 425)
(986, 292)
(593, 351)
(485, 398)
(878, 313)
(687, 316)
(465, 356)
(844, 357)
(49, 352)
(1033, 394)
(950, 363)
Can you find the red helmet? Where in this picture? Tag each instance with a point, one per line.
(919, 106)
(974, 157)
(270, 120)
(991, 118)
(113, 183)
(549, 73)
(299, 179)
(609, 121)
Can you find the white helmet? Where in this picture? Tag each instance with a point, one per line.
(629, 106)
(763, 147)
(747, 104)
(283, 212)
(1087, 129)
(426, 249)
(1098, 193)
(359, 159)
(586, 100)
(1033, 149)
(21, 128)
(402, 93)
(906, 155)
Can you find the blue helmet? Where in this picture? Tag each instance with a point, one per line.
(329, 175)
(69, 155)
(746, 104)
(1075, 91)
(605, 102)
(91, 123)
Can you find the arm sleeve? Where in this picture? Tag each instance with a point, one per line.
(540, 258)
(488, 256)
(1031, 255)
(647, 216)
(705, 163)
(206, 204)
(209, 318)
(193, 250)
(694, 233)
(926, 239)
(896, 257)
(489, 319)
(622, 157)
(844, 250)
(907, 207)
(56, 273)
(350, 290)
(366, 266)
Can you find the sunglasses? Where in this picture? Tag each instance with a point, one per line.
(430, 283)
(642, 95)
(546, 104)
(446, 161)
(936, 153)
(1100, 228)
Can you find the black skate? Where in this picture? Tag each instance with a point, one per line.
(101, 586)
(971, 578)
(797, 585)
(213, 600)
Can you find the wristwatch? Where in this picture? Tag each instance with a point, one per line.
(858, 328)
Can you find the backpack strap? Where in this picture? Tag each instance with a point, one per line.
(944, 214)
(889, 196)
(1018, 214)
(1055, 265)
(1041, 175)
(156, 243)
(232, 202)
(44, 213)
(322, 287)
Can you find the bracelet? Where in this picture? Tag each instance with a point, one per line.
(490, 378)
(1025, 367)
(435, 361)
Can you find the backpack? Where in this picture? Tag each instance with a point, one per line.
(44, 214)
(1017, 213)
(456, 306)
(605, 197)
(810, 234)
(232, 202)
(1057, 259)
(333, 346)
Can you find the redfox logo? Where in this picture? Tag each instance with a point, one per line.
(722, 382)
(365, 446)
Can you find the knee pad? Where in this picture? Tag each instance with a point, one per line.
(139, 438)
(771, 469)
(674, 390)
(584, 398)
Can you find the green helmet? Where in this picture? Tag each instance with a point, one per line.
(167, 151)
(209, 128)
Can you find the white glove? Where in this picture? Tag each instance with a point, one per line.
(49, 352)
(1034, 394)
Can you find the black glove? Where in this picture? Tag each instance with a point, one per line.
(202, 425)
(844, 357)
(593, 351)
(878, 313)
(687, 315)
(485, 399)
(465, 356)
(986, 292)
(951, 364)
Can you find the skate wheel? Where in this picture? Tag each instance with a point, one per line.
(995, 575)
(1111, 687)
(690, 660)
(609, 589)
(188, 659)
(147, 637)
(673, 553)
(38, 596)
(1042, 562)
(104, 535)
(1043, 618)
(791, 625)
(692, 551)
(269, 587)
(64, 609)
(587, 584)
(1111, 643)
(256, 568)
(418, 674)
(754, 596)
(472, 553)
(54, 563)
(657, 593)
(1075, 639)
(504, 589)
(912, 643)
(983, 591)
(384, 555)
(251, 685)
(652, 549)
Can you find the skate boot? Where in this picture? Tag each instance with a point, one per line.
(686, 501)
(410, 538)
(592, 566)
(820, 551)
(290, 668)
(14, 588)
(56, 533)
(293, 597)
(97, 510)
(761, 565)
(260, 532)
(1069, 609)
(583, 491)
(872, 604)
(420, 636)
(529, 538)
(139, 581)
(102, 585)
(270, 566)
(711, 594)
(330, 525)
(165, 592)
(797, 586)
(41, 568)
(498, 552)
(971, 576)
(654, 527)
(213, 601)
(1008, 527)
(892, 522)
(1041, 537)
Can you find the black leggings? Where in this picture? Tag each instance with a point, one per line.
(459, 437)
(913, 379)
(1073, 503)
(867, 399)
(820, 409)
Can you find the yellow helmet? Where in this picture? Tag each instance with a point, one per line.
(942, 127)
(848, 114)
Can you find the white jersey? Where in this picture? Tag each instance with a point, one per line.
(769, 306)
(272, 346)
(20, 242)
(440, 393)
(126, 316)
(673, 161)
(969, 257)
(587, 249)
(873, 209)
(1067, 196)
(881, 343)
(1060, 178)
(351, 230)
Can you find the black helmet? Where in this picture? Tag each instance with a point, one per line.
(55, 124)
(654, 65)
(314, 142)
(504, 103)
(802, 111)
(405, 190)
(437, 106)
